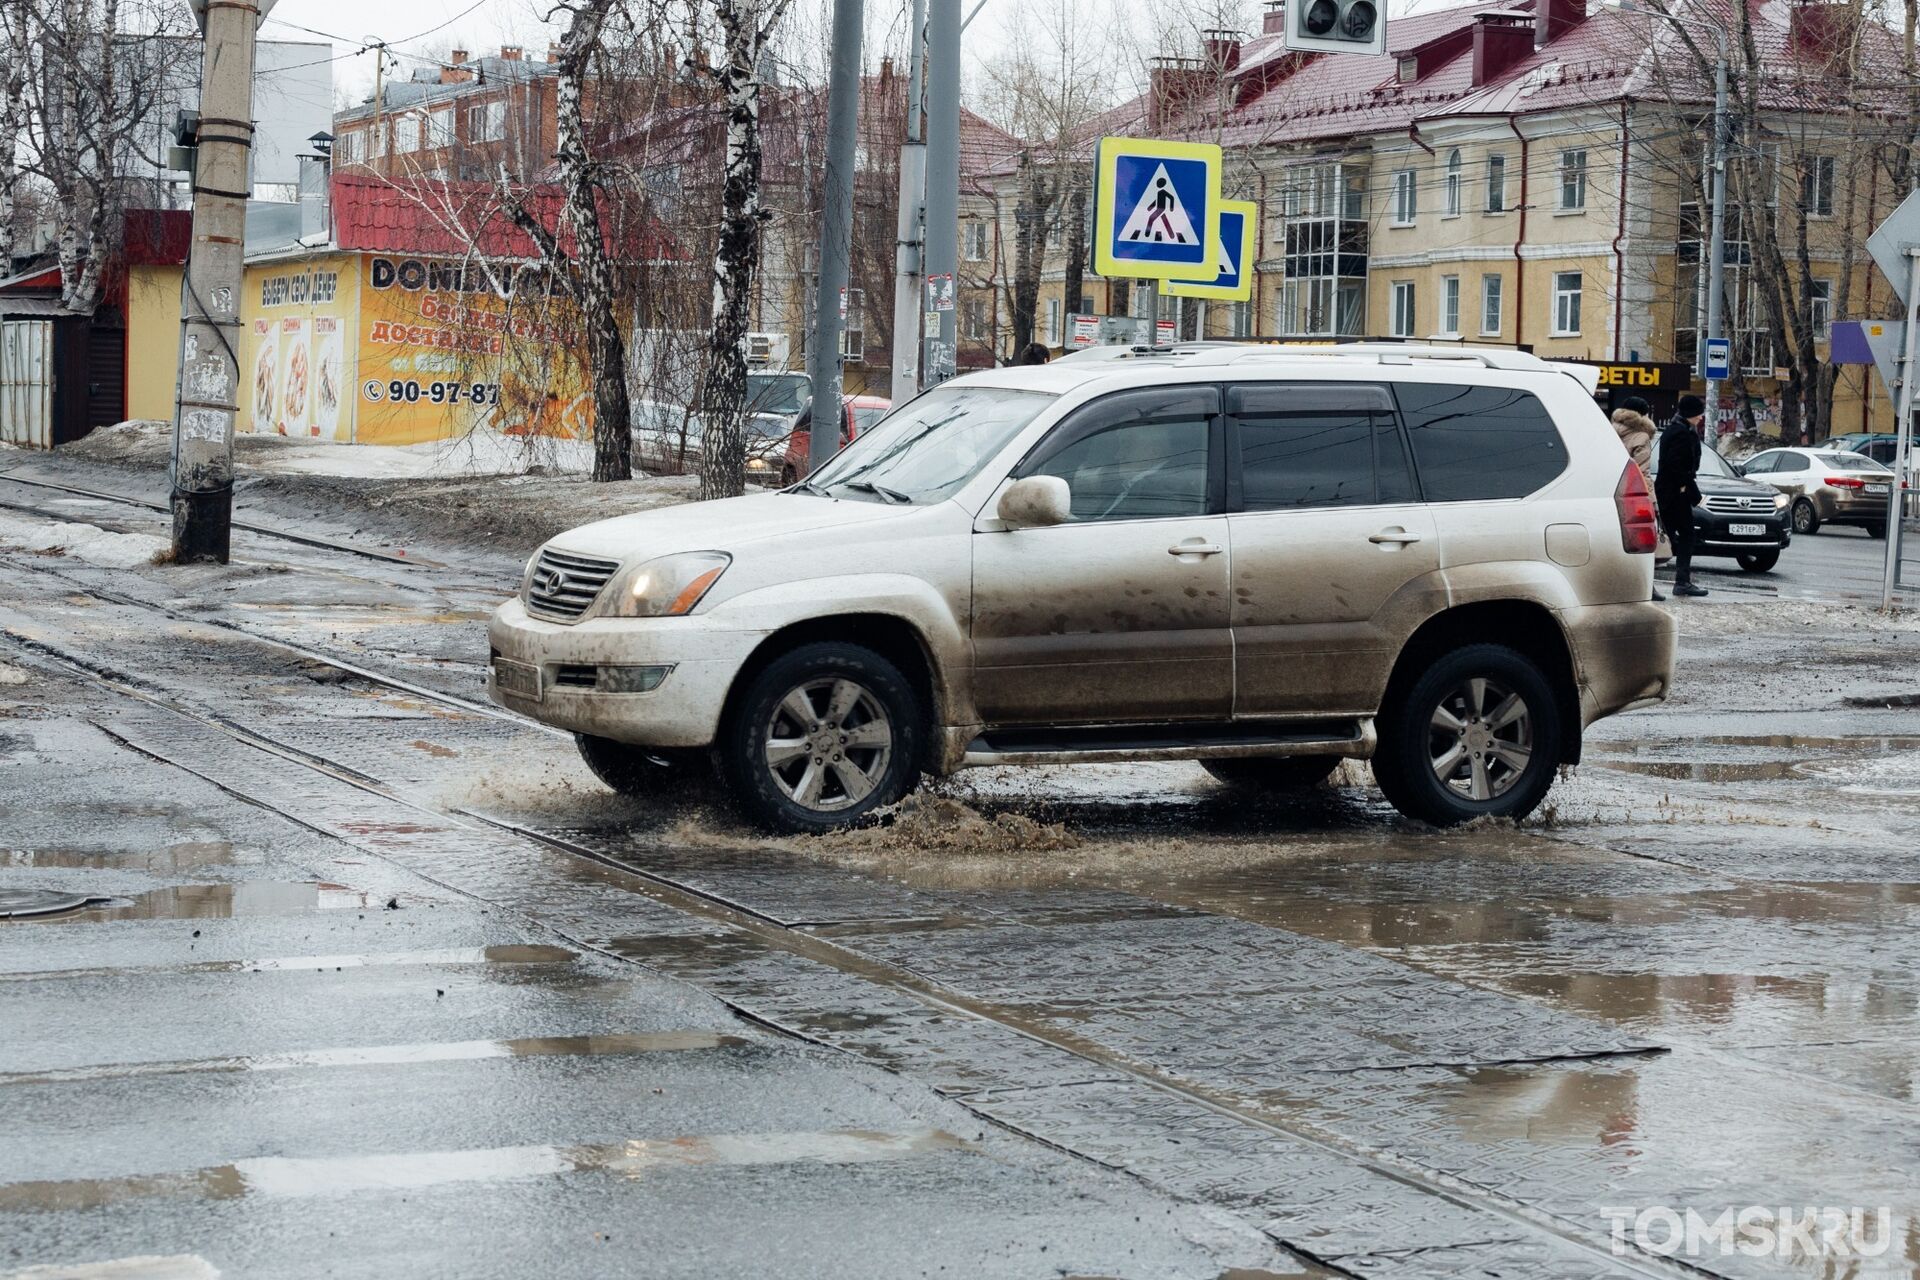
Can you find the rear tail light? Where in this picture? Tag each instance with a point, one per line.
(1846, 482)
(1639, 530)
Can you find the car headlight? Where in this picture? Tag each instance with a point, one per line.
(668, 587)
(1780, 501)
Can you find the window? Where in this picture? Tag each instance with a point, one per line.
(1820, 308)
(350, 148)
(406, 133)
(1051, 334)
(974, 237)
(1403, 320)
(1566, 303)
(440, 128)
(1490, 289)
(1496, 183)
(976, 316)
(1474, 443)
(1762, 464)
(1409, 69)
(1573, 179)
(1406, 201)
(377, 140)
(1454, 178)
(1138, 455)
(1450, 306)
(1317, 445)
(853, 327)
(930, 447)
(1792, 462)
(487, 122)
(1816, 186)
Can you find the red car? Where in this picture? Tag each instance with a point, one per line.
(857, 413)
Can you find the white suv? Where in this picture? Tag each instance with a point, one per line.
(1264, 559)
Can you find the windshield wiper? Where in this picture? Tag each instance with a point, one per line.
(893, 497)
(807, 486)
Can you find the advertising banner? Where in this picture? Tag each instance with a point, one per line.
(294, 360)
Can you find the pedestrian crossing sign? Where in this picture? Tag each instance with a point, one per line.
(1156, 209)
(1233, 251)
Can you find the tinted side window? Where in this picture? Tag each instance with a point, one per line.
(1134, 456)
(1308, 444)
(1762, 464)
(1792, 462)
(1476, 443)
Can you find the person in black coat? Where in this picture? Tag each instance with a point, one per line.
(1676, 487)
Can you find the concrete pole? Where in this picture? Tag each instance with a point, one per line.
(1716, 262)
(907, 275)
(836, 229)
(209, 386)
(943, 178)
(1903, 426)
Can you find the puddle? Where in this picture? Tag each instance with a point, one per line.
(512, 954)
(399, 1055)
(280, 1177)
(223, 901)
(1708, 771)
(176, 857)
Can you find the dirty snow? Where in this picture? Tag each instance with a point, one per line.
(87, 542)
(479, 453)
(11, 675)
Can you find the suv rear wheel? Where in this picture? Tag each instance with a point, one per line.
(1273, 773)
(824, 734)
(1476, 736)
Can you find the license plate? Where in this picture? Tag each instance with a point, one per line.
(517, 678)
(1877, 488)
(1746, 530)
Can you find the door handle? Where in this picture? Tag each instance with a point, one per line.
(1195, 549)
(1395, 536)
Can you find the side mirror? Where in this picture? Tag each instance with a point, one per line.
(1035, 502)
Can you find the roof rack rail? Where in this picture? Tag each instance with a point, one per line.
(1377, 352)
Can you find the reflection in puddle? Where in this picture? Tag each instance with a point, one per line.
(286, 1177)
(1707, 770)
(514, 954)
(175, 857)
(399, 1055)
(222, 901)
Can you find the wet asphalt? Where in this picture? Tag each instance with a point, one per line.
(371, 979)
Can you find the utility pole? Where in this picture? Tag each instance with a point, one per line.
(836, 229)
(907, 274)
(209, 383)
(943, 179)
(1716, 262)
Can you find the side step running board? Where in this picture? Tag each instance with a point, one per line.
(1092, 744)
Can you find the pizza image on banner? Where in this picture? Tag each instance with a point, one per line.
(1156, 209)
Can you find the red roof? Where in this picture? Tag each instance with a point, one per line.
(452, 219)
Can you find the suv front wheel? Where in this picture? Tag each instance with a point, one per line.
(823, 734)
(1476, 736)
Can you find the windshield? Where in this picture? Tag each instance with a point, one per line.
(1849, 462)
(865, 419)
(926, 449)
(1711, 461)
(782, 393)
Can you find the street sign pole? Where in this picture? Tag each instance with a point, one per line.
(1903, 436)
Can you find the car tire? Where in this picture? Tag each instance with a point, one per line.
(643, 773)
(859, 767)
(1876, 531)
(1272, 773)
(1444, 760)
(1758, 561)
(1805, 519)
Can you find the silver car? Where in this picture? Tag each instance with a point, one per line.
(1826, 486)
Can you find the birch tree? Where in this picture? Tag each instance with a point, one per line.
(745, 27)
(13, 110)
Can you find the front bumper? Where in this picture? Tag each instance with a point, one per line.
(1713, 533)
(683, 711)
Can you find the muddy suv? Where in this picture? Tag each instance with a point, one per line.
(1262, 559)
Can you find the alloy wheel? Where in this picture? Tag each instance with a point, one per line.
(828, 743)
(1480, 739)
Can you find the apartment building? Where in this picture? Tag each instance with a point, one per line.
(459, 120)
(1530, 175)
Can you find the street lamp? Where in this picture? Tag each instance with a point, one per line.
(1717, 250)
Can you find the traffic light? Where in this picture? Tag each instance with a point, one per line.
(1336, 26)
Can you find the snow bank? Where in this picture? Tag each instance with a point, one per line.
(87, 542)
(479, 453)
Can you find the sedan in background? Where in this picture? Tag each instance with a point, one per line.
(857, 415)
(1826, 486)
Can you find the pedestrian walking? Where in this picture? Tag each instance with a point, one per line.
(1033, 353)
(1676, 488)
